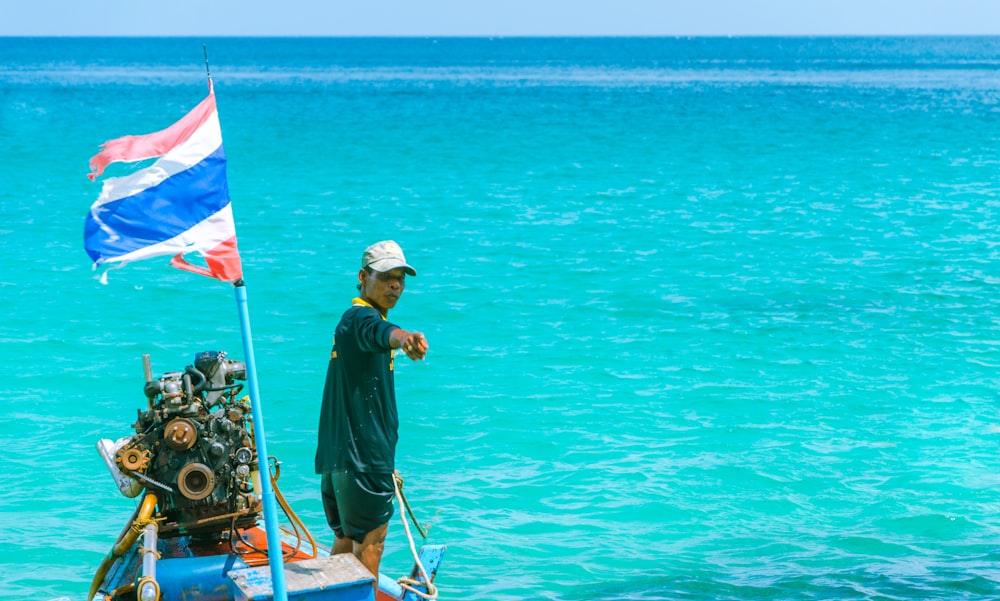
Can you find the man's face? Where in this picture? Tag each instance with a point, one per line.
(383, 289)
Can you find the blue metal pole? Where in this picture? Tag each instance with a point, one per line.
(274, 554)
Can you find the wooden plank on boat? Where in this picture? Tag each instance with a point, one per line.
(334, 578)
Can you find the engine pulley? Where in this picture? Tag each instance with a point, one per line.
(196, 481)
(180, 434)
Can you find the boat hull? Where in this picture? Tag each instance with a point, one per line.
(191, 570)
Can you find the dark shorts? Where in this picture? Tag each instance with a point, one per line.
(356, 503)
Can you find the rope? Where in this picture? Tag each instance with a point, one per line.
(405, 582)
(409, 510)
(143, 513)
(298, 528)
(140, 524)
(293, 518)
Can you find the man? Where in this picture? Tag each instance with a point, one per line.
(358, 423)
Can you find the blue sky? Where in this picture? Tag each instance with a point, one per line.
(498, 17)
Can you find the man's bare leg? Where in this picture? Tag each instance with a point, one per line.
(369, 551)
(342, 544)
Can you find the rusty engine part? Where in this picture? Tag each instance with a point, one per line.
(194, 448)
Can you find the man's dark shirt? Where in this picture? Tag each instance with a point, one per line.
(358, 424)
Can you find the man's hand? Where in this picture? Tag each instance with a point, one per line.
(412, 343)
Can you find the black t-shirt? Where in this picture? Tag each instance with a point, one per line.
(358, 424)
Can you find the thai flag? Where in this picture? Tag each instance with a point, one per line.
(177, 205)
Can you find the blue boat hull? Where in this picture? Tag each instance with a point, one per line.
(187, 570)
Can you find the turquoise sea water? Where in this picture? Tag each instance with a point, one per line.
(709, 318)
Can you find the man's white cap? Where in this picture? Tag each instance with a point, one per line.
(386, 256)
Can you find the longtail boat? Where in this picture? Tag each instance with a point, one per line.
(197, 532)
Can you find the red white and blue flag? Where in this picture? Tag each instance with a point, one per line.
(178, 205)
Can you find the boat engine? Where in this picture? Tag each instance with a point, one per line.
(194, 447)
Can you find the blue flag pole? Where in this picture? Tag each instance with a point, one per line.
(274, 553)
